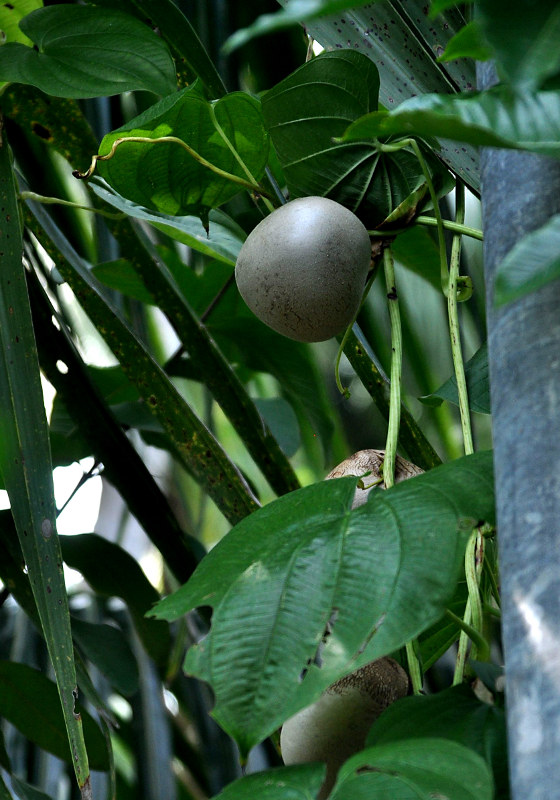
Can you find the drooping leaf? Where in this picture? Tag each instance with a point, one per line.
(25, 460)
(530, 264)
(294, 12)
(478, 385)
(301, 782)
(415, 769)
(164, 177)
(87, 52)
(29, 700)
(493, 118)
(306, 111)
(223, 239)
(107, 648)
(469, 42)
(456, 714)
(307, 562)
(524, 39)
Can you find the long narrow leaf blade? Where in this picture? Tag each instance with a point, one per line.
(200, 452)
(25, 462)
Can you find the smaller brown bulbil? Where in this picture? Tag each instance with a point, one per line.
(368, 464)
(336, 725)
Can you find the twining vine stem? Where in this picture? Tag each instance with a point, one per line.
(246, 184)
(394, 419)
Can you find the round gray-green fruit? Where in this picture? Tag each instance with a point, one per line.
(336, 725)
(302, 270)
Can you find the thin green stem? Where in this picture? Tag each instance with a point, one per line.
(396, 370)
(454, 227)
(431, 222)
(394, 420)
(454, 329)
(473, 634)
(392, 148)
(39, 198)
(251, 185)
(473, 616)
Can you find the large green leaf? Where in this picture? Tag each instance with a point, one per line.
(478, 385)
(25, 460)
(531, 263)
(315, 104)
(228, 133)
(301, 782)
(415, 769)
(524, 38)
(494, 118)
(87, 52)
(403, 42)
(455, 714)
(29, 700)
(306, 563)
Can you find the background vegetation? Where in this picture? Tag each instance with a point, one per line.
(159, 379)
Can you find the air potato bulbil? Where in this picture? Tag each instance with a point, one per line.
(302, 270)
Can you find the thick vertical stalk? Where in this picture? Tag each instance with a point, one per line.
(519, 193)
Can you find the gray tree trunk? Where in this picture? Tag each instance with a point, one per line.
(519, 193)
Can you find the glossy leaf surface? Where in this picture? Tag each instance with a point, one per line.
(404, 42)
(88, 52)
(415, 769)
(306, 111)
(306, 562)
(494, 118)
(456, 714)
(301, 782)
(164, 177)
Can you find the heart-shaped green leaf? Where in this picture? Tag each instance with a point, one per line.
(307, 563)
(455, 713)
(415, 769)
(88, 52)
(163, 176)
(305, 113)
(300, 782)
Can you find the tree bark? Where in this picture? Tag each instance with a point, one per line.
(520, 192)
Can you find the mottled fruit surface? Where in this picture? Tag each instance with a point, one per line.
(336, 725)
(302, 270)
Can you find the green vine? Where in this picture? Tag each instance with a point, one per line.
(246, 184)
